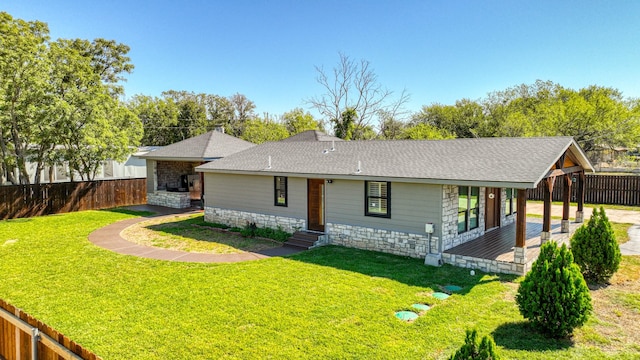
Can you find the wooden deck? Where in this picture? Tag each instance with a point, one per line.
(498, 244)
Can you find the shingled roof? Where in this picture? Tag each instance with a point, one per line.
(504, 162)
(312, 135)
(209, 146)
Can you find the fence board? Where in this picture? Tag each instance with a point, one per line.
(599, 189)
(18, 201)
(15, 341)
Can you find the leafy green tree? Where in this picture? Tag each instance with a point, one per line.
(554, 296)
(59, 100)
(424, 132)
(297, 121)
(595, 248)
(345, 126)
(243, 111)
(464, 119)
(192, 114)
(472, 350)
(258, 131)
(158, 116)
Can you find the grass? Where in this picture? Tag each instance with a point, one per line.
(191, 233)
(327, 303)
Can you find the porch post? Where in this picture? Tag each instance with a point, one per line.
(546, 217)
(566, 201)
(520, 250)
(580, 212)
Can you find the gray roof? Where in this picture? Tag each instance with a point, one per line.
(312, 135)
(505, 162)
(209, 146)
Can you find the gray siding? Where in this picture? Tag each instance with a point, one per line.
(412, 205)
(254, 193)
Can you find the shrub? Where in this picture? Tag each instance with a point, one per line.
(595, 248)
(486, 350)
(554, 296)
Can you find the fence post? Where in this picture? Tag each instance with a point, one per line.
(35, 338)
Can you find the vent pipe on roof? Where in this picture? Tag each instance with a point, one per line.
(333, 145)
(269, 166)
(359, 169)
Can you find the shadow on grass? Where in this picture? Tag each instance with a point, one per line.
(127, 211)
(523, 336)
(406, 270)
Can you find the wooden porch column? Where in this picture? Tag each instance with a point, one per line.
(546, 216)
(580, 212)
(566, 201)
(520, 250)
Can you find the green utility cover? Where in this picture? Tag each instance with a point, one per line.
(406, 315)
(440, 296)
(421, 307)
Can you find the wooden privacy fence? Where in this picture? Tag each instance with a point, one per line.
(24, 337)
(19, 201)
(599, 189)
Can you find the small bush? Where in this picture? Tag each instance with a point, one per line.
(554, 295)
(595, 248)
(471, 350)
(249, 230)
(252, 230)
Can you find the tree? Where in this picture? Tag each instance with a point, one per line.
(354, 86)
(554, 296)
(192, 114)
(243, 110)
(465, 119)
(595, 248)
(472, 350)
(424, 132)
(297, 121)
(58, 101)
(258, 131)
(158, 116)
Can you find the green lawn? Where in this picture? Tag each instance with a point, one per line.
(606, 206)
(327, 303)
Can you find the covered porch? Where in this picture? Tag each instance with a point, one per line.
(495, 250)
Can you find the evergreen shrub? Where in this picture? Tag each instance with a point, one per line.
(471, 350)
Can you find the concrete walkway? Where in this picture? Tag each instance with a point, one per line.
(631, 247)
(109, 238)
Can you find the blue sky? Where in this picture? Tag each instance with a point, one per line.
(439, 51)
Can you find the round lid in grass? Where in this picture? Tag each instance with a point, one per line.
(452, 288)
(406, 315)
(421, 307)
(440, 296)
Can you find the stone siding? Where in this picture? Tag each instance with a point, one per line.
(176, 200)
(450, 236)
(241, 218)
(388, 241)
(168, 172)
(486, 265)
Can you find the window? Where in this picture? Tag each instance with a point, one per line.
(280, 190)
(511, 201)
(377, 198)
(468, 208)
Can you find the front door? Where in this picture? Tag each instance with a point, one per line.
(492, 208)
(315, 204)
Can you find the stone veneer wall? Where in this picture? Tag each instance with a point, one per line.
(241, 218)
(450, 236)
(486, 265)
(168, 172)
(176, 200)
(387, 241)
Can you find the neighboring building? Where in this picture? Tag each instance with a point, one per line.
(171, 178)
(132, 168)
(411, 198)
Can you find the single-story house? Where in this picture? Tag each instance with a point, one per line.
(171, 178)
(413, 198)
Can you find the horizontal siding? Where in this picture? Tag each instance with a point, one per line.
(412, 205)
(254, 193)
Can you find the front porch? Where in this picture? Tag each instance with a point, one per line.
(495, 250)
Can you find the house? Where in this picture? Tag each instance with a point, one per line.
(171, 178)
(131, 168)
(421, 199)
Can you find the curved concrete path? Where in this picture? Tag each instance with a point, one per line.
(109, 238)
(631, 247)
